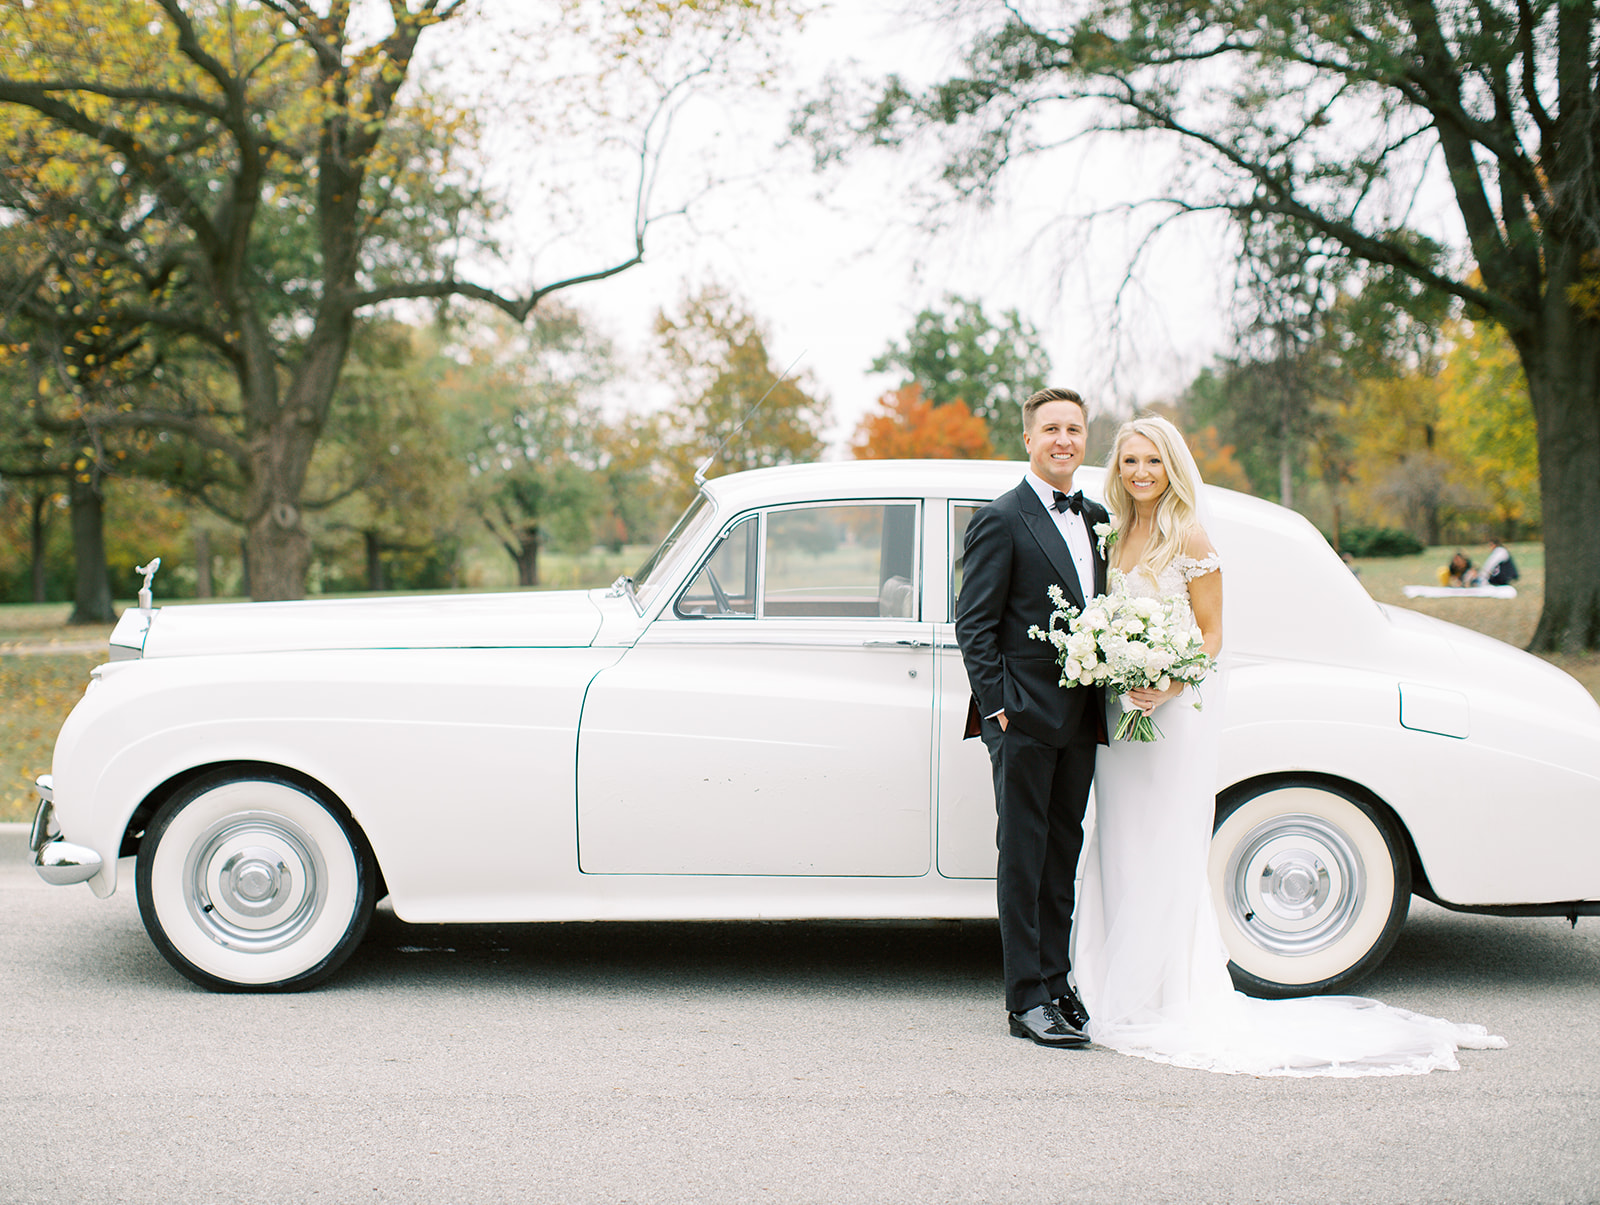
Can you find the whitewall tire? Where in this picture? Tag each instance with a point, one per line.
(249, 882)
(1311, 882)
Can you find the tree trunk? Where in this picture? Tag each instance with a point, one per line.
(374, 543)
(528, 556)
(283, 435)
(38, 527)
(202, 563)
(92, 596)
(279, 545)
(1564, 385)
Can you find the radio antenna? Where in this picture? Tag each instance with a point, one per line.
(700, 473)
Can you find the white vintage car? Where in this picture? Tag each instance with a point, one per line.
(766, 722)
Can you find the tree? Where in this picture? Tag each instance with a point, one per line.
(1335, 118)
(1484, 414)
(637, 481)
(279, 172)
(528, 429)
(386, 469)
(735, 409)
(909, 426)
(959, 354)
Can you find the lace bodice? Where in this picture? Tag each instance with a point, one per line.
(1173, 581)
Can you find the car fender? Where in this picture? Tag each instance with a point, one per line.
(441, 741)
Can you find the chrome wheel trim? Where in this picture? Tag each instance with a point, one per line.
(1294, 883)
(286, 884)
(255, 881)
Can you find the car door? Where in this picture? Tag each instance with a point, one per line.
(777, 719)
(966, 817)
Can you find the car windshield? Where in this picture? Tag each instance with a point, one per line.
(660, 566)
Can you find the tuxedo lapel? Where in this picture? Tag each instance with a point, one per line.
(1048, 536)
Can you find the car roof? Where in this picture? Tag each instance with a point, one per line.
(976, 479)
(982, 479)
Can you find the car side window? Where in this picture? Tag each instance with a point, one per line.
(852, 560)
(726, 583)
(960, 515)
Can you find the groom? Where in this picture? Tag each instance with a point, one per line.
(1041, 737)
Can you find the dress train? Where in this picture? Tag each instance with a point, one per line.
(1148, 955)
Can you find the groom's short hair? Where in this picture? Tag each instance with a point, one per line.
(1032, 405)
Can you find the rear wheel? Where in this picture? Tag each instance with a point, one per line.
(1312, 883)
(254, 883)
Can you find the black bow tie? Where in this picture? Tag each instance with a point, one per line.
(1072, 502)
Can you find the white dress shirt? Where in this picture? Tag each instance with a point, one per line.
(1074, 529)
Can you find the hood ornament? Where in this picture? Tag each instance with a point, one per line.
(149, 572)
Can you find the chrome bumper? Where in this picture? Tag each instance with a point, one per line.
(59, 863)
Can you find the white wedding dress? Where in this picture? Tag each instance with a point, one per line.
(1147, 952)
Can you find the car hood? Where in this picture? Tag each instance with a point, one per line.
(561, 619)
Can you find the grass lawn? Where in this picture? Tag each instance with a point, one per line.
(38, 688)
(1512, 620)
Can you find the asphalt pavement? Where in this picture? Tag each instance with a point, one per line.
(784, 1062)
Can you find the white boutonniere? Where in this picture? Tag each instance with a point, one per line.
(1107, 536)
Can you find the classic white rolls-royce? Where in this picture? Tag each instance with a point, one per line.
(766, 722)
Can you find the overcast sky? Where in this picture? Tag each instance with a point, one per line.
(836, 266)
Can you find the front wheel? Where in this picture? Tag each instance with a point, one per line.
(1311, 882)
(254, 883)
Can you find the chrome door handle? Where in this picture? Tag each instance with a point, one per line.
(894, 644)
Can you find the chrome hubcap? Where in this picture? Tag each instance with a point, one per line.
(255, 881)
(1295, 884)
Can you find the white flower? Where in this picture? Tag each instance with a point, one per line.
(1123, 642)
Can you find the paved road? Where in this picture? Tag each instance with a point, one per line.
(739, 1063)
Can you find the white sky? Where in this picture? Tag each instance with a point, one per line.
(835, 266)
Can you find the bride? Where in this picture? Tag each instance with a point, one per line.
(1147, 952)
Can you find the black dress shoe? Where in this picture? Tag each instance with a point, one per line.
(1046, 1026)
(1072, 1009)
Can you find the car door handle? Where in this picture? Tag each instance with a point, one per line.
(894, 644)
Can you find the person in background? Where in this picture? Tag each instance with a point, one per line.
(1498, 567)
(1460, 572)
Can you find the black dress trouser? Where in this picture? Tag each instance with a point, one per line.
(1041, 792)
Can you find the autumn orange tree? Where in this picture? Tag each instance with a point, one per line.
(277, 172)
(908, 426)
(956, 352)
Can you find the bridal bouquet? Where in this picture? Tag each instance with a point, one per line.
(1125, 643)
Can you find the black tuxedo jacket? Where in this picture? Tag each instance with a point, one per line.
(1013, 554)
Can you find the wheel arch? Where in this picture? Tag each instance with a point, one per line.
(153, 800)
(1256, 784)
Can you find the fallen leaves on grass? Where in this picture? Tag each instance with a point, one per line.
(36, 693)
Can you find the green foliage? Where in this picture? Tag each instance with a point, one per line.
(1379, 542)
(525, 425)
(957, 353)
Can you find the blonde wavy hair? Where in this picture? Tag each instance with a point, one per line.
(1177, 511)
